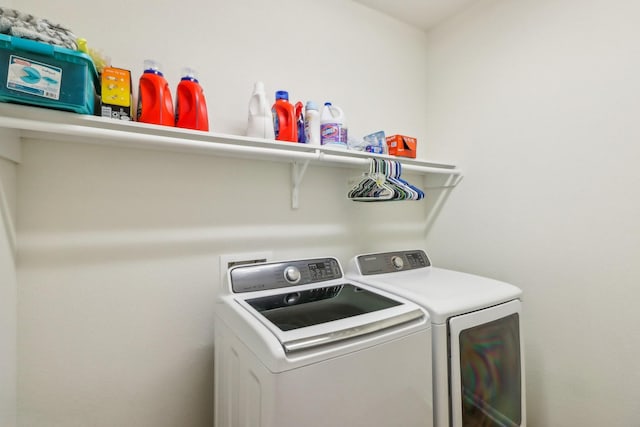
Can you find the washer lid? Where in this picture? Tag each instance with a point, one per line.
(306, 318)
(444, 293)
(303, 308)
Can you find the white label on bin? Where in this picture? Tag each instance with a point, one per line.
(34, 78)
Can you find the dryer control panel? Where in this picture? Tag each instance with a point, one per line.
(391, 262)
(258, 277)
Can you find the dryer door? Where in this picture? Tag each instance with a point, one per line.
(487, 381)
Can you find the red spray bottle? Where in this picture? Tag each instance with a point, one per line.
(155, 104)
(191, 106)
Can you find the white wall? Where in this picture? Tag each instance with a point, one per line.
(8, 301)
(538, 100)
(119, 248)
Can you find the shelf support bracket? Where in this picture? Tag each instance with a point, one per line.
(297, 173)
(11, 150)
(10, 146)
(5, 218)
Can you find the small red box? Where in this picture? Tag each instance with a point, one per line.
(402, 146)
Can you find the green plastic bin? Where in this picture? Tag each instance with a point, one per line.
(45, 75)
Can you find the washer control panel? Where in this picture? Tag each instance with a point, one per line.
(391, 262)
(257, 277)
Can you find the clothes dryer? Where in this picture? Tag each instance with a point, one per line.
(298, 345)
(478, 359)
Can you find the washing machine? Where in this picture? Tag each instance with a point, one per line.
(478, 362)
(298, 345)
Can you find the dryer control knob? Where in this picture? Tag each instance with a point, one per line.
(397, 262)
(292, 275)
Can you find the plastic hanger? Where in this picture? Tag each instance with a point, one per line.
(373, 186)
(383, 182)
(416, 193)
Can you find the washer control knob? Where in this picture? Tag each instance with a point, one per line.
(292, 274)
(397, 262)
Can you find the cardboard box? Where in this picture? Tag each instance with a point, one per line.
(45, 75)
(116, 93)
(402, 146)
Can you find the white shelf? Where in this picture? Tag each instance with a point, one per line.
(18, 121)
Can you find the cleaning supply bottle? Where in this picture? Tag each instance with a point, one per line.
(333, 130)
(312, 123)
(260, 123)
(155, 104)
(191, 106)
(284, 118)
(300, 122)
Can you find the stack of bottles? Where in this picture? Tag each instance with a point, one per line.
(284, 121)
(155, 103)
(303, 123)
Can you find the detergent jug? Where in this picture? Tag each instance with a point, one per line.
(191, 106)
(260, 122)
(155, 104)
(284, 118)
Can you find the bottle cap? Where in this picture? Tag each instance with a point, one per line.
(311, 106)
(258, 87)
(327, 103)
(189, 74)
(282, 94)
(151, 66)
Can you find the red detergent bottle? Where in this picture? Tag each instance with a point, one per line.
(155, 104)
(191, 106)
(284, 118)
